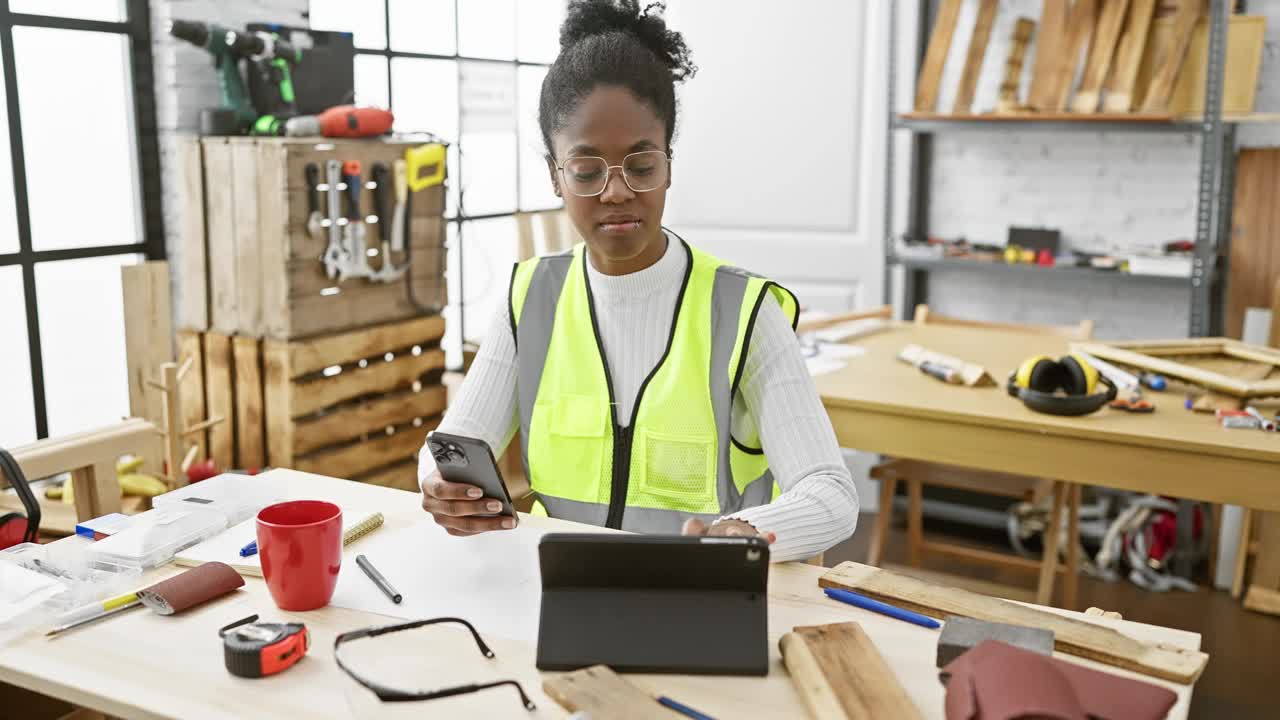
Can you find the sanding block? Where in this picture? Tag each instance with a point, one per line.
(962, 634)
(193, 587)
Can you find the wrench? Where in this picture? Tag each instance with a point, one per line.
(315, 223)
(357, 257)
(334, 258)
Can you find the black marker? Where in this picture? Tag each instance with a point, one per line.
(378, 580)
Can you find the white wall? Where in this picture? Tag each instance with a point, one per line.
(1098, 188)
(778, 150)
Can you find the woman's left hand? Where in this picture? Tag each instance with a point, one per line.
(725, 528)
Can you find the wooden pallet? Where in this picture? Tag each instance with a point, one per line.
(334, 404)
(257, 271)
(355, 405)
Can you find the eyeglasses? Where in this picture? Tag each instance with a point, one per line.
(641, 171)
(386, 694)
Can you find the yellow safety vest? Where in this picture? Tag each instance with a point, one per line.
(676, 458)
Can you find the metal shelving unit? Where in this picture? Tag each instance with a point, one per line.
(1216, 172)
(1003, 269)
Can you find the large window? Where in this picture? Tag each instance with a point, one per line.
(79, 197)
(468, 71)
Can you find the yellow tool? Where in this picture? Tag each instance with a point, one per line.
(425, 165)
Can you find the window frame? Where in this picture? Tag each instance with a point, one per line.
(455, 174)
(137, 28)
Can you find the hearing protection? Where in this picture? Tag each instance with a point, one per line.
(1066, 386)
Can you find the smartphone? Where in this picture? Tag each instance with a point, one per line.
(470, 461)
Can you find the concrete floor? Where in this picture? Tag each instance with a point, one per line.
(1242, 678)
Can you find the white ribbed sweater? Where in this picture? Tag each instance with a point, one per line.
(818, 506)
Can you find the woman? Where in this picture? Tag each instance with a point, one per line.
(657, 389)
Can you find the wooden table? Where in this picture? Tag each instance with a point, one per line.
(142, 665)
(879, 404)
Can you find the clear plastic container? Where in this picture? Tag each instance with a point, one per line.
(154, 537)
(238, 497)
(55, 578)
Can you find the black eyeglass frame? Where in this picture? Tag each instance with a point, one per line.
(389, 694)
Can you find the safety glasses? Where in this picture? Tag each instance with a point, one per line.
(389, 694)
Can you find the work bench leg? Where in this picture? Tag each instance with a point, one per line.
(884, 520)
(1071, 587)
(1049, 560)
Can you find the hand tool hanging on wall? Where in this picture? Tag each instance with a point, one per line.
(315, 221)
(399, 224)
(354, 231)
(335, 256)
(387, 272)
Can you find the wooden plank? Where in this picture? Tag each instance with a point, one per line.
(1075, 637)
(1053, 24)
(1253, 267)
(1071, 581)
(193, 252)
(251, 451)
(1044, 116)
(1008, 100)
(278, 396)
(935, 58)
(981, 587)
(220, 233)
(601, 694)
(245, 187)
(973, 58)
(220, 398)
(1275, 315)
(349, 422)
(360, 458)
(191, 347)
(1104, 49)
(1124, 72)
(45, 458)
(986, 557)
(379, 377)
(839, 673)
(97, 492)
(1246, 39)
(1084, 15)
(1263, 600)
(320, 315)
(309, 356)
(401, 476)
(1158, 93)
(273, 235)
(148, 333)
(172, 424)
(1213, 381)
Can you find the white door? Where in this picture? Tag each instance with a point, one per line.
(779, 152)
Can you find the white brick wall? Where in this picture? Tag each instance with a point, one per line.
(185, 83)
(1100, 189)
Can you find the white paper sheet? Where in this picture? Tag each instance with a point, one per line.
(491, 580)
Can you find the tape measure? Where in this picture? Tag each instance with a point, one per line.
(253, 649)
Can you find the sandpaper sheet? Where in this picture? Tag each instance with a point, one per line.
(191, 588)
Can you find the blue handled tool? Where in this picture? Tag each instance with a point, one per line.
(866, 603)
(250, 549)
(683, 709)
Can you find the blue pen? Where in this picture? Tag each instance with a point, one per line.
(685, 710)
(867, 603)
(250, 549)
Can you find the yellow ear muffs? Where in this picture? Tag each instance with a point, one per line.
(1083, 377)
(1026, 375)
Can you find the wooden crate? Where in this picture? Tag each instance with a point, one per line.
(358, 404)
(263, 271)
(334, 404)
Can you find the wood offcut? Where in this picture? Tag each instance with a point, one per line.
(1008, 100)
(936, 56)
(1072, 636)
(1053, 26)
(603, 694)
(1161, 87)
(1124, 71)
(841, 675)
(1080, 24)
(1100, 55)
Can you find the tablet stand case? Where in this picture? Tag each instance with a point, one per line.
(654, 604)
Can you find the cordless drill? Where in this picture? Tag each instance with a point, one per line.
(269, 55)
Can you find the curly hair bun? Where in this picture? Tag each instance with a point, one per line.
(586, 18)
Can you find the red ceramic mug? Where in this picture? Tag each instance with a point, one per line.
(300, 545)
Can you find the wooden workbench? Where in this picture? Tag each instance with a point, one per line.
(881, 405)
(141, 665)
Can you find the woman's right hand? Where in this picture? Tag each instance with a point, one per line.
(455, 507)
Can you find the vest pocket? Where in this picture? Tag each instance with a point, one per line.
(571, 456)
(677, 472)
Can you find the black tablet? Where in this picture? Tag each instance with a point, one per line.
(654, 603)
